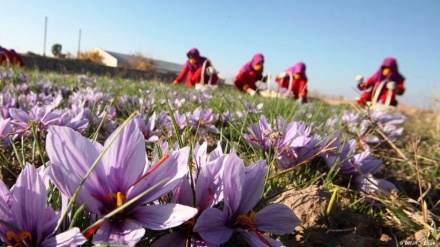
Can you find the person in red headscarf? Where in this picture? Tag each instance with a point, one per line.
(385, 84)
(194, 68)
(295, 79)
(249, 74)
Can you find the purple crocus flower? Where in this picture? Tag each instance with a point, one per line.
(208, 186)
(5, 130)
(180, 120)
(30, 222)
(86, 80)
(243, 189)
(6, 101)
(147, 127)
(367, 184)
(202, 119)
(164, 124)
(38, 114)
(259, 135)
(252, 108)
(348, 161)
(75, 118)
(122, 174)
(175, 103)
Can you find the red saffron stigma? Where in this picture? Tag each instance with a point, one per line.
(92, 230)
(161, 161)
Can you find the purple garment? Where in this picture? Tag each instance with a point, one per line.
(249, 66)
(194, 53)
(299, 68)
(393, 75)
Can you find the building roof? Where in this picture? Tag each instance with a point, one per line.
(158, 64)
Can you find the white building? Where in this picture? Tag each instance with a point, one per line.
(114, 59)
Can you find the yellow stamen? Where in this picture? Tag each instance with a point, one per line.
(247, 220)
(202, 122)
(120, 198)
(18, 238)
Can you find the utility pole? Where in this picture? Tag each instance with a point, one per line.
(79, 43)
(45, 34)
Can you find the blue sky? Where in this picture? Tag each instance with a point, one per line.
(337, 40)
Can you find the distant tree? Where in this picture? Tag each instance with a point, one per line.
(139, 61)
(56, 50)
(91, 56)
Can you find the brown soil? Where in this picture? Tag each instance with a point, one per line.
(339, 228)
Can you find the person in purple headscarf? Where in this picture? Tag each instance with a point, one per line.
(387, 82)
(249, 74)
(194, 68)
(295, 79)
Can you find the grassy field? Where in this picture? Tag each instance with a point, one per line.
(330, 138)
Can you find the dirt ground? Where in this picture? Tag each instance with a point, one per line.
(339, 227)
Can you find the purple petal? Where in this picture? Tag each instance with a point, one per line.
(264, 125)
(234, 178)
(29, 190)
(163, 216)
(125, 158)
(174, 169)
(71, 156)
(125, 233)
(20, 115)
(183, 194)
(253, 186)
(71, 237)
(212, 226)
(175, 239)
(254, 240)
(277, 218)
(209, 186)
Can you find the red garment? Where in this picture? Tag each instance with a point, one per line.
(247, 79)
(10, 55)
(195, 77)
(298, 89)
(383, 94)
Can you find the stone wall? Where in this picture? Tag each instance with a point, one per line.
(80, 67)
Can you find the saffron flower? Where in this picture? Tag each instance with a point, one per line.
(38, 114)
(147, 127)
(370, 186)
(122, 174)
(5, 130)
(208, 187)
(202, 119)
(348, 161)
(29, 221)
(259, 136)
(180, 120)
(243, 187)
(6, 101)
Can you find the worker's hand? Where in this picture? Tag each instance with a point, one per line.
(199, 87)
(359, 79)
(210, 71)
(282, 75)
(391, 85)
(175, 82)
(251, 91)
